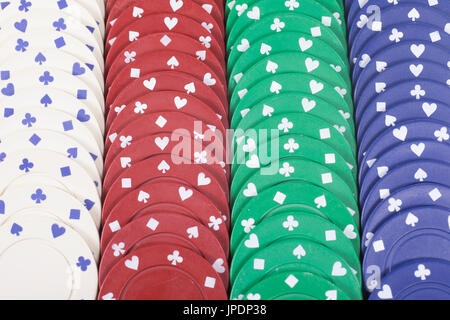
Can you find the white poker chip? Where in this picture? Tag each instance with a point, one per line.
(86, 12)
(42, 258)
(60, 168)
(61, 205)
(30, 118)
(57, 100)
(18, 24)
(41, 139)
(44, 38)
(52, 78)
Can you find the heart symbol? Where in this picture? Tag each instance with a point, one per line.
(218, 266)
(321, 202)
(401, 133)
(253, 162)
(381, 66)
(365, 59)
(416, 70)
(338, 270)
(137, 12)
(170, 23)
(267, 111)
(304, 44)
(254, 14)
(192, 232)
(386, 293)
(315, 86)
(8, 90)
(418, 149)
(77, 69)
(16, 229)
(420, 175)
(243, 46)
(349, 231)
(176, 4)
(250, 146)
(57, 231)
(21, 25)
(417, 50)
(150, 84)
(308, 105)
(132, 263)
(202, 180)
(311, 64)
(209, 80)
(411, 220)
(143, 196)
(429, 108)
(299, 252)
(250, 191)
(82, 116)
(162, 142)
(185, 193)
(180, 103)
(252, 242)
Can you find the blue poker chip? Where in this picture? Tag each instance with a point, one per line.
(361, 56)
(403, 132)
(424, 279)
(421, 194)
(375, 19)
(372, 123)
(405, 237)
(405, 50)
(408, 151)
(391, 179)
(357, 7)
(366, 89)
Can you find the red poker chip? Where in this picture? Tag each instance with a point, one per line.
(162, 41)
(160, 227)
(166, 81)
(144, 8)
(162, 143)
(166, 167)
(157, 122)
(162, 23)
(169, 60)
(162, 272)
(202, 10)
(163, 101)
(134, 204)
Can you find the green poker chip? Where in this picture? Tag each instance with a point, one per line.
(287, 62)
(295, 297)
(295, 194)
(240, 20)
(300, 102)
(295, 123)
(285, 42)
(297, 285)
(244, 98)
(299, 225)
(296, 255)
(287, 147)
(252, 39)
(332, 5)
(293, 169)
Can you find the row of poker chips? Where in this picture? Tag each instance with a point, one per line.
(165, 217)
(51, 147)
(295, 217)
(400, 54)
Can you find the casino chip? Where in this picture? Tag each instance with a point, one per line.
(294, 165)
(51, 148)
(166, 188)
(400, 63)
